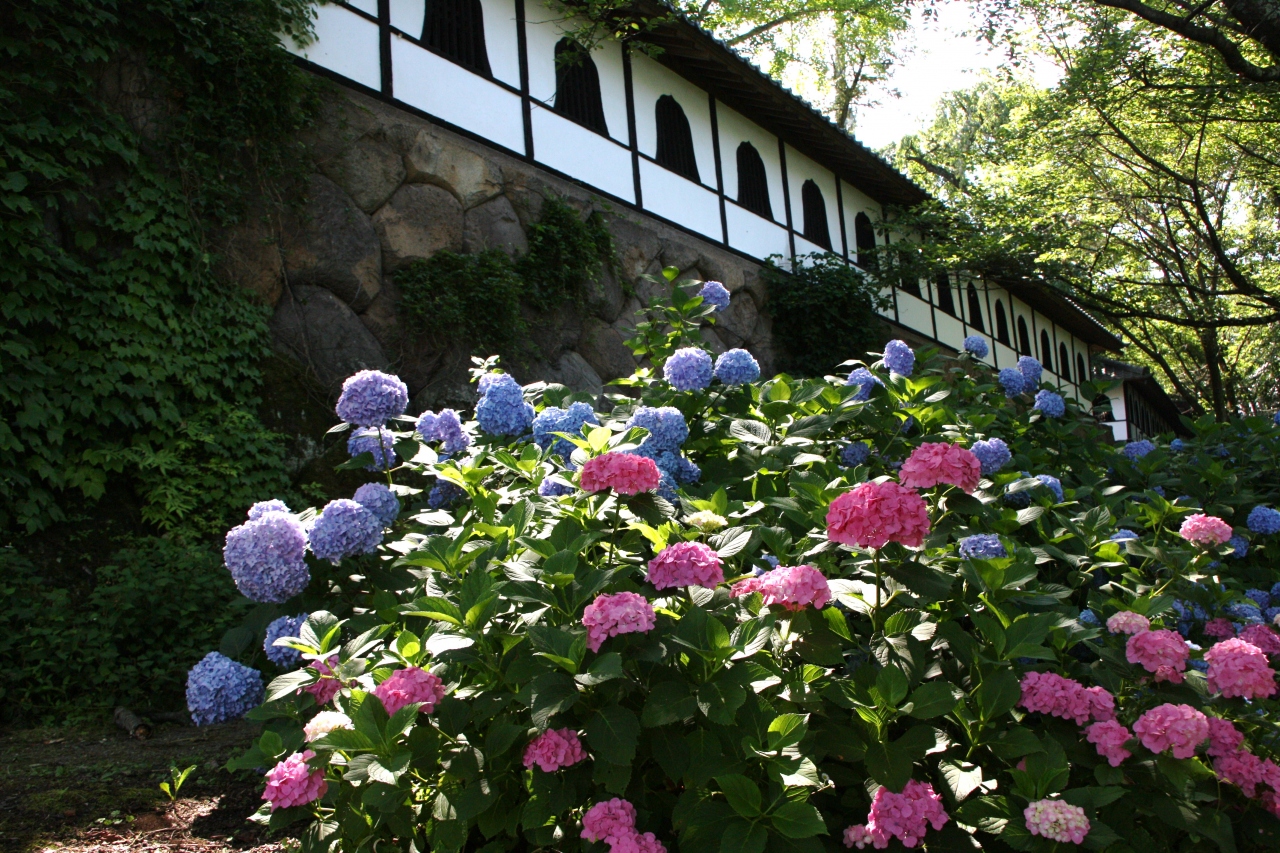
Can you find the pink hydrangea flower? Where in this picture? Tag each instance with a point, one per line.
(686, 564)
(554, 749)
(1224, 737)
(620, 613)
(794, 587)
(609, 821)
(857, 836)
(1179, 728)
(1205, 530)
(1163, 652)
(1267, 640)
(1241, 768)
(1128, 622)
(938, 462)
(1239, 669)
(1056, 821)
(1219, 628)
(625, 473)
(1050, 693)
(324, 722)
(874, 514)
(1110, 737)
(637, 843)
(328, 686)
(906, 816)
(293, 783)
(406, 686)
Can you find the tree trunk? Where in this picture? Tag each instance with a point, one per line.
(1213, 361)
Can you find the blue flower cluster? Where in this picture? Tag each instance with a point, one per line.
(502, 409)
(976, 346)
(370, 398)
(286, 626)
(379, 500)
(267, 558)
(688, 369)
(445, 428)
(261, 508)
(1051, 404)
(1089, 619)
(376, 441)
(993, 453)
(1137, 449)
(854, 454)
(715, 294)
(1022, 498)
(1177, 445)
(570, 421)
(1239, 548)
(982, 546)
(1012, 381)
(1264, 520)
(1260, 597)
(865, 380)
(445, 494)
(1030, 369)
(899, 358)
(553, 488)
(344, 529)
(1124, 535)
(667, 431)
(1277, 419)
(1053, 484)
(1249, 613)
(737, 367)
(220, 690)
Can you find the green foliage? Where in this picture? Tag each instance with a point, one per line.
(565, 254)
(823, 310)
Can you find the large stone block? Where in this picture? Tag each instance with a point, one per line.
(369, 171)
(605, 296)
(321, 332)
(573, 372)
(249, 255)
(331, 243)
(436, 160)
(494, 225)
(554, 331)
(638, 247)
(417, 222)
(603, 348)
(738, 324)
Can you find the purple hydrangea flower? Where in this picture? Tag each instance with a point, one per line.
(993, 453)
(1012, 381)
(1051, 404)
(854, 454)
(982, 546)
(286, 626)
(899, 358)
(1263, 520)
(1123, 535)
(267, 558)
(976, 346)
(370, 398)
(445, 428)
(1137, 449)
(379, 500)
(666, 426)
(553, 488)
(378, 442)
(737, 367)
(1030, 369)
(445, 494)
(220, 690)
(344, 529)
(570, 421)
(715, 294)
(1053, 484)
(688, 369)
(865, 380)
(261, 508)
(502, 409)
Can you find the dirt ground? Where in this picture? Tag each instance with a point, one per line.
(82, 790)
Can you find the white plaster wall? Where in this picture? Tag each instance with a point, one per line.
(650, 81)
(1120, 418)
(680, 200)
(735, 130)
(799, 169)
(543, 29)
(914, 313)
(368, 6)
(950, 330)
(755, 235)
(581, 153)
(803, 246)
(346, 44)
(1005, 356)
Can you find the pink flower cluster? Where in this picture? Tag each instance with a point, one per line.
(874, 514)
(1128, 622)
(1267, 640)
(1178, 728)
(938, 462)
(1205, 530)
(1050, 693)
(1236, 765)
(794, 587)
(1219, 628)
(1109, 737)
(406, 686)
(554, 749)
(614, 822)
(686, 564)
(1056, 821)
(906, 816)
(293, 783)
(620, 613)
(328, 686)
(625, 473)
(1163, 652)
(1239, 669)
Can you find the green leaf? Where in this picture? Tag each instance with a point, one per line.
(932, 699)
(743, 837)
(720, 699)
(743, 794)
(997, 695)
(798, 820)
(604, 668)
(289, 683)
(667, 702)
(613, 733)
(787, 730)
(891, 685)
(551, 693)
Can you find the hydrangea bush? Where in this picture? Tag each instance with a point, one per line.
(936, 640)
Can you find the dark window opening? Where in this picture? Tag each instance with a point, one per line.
(912, 286)
(578, 86)
(1046, 350)
(1102, 408)
(975, 310)
(1024, 340)
(675, 139)
(1082, 373)
(1064, 362)
(945, 300)
(814, 208)
(864, 238)
(455, 29)
(753, 183)
(1002, 324)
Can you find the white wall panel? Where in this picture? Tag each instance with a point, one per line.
(735, 130)
(450, 92)
(914, 313)
(755, 235)
(803, 246)
(501, 41)
(680, 200)
(1005, 356)
(367, 6)
(799, 169)
(581, 153)
(950, 330)
(346, 44)
(407, 16)
(650, 81)
(543, 30)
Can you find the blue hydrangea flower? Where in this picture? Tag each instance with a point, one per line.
(1137, 449)
(993, 453)
(1030, 369)
(553, 488)
(1198, 665)
(1259, 597)
(267, 558)
(667, 488)
(1052, 484)
(666, 426)
(1250, 613)
(569, 421)
(286, 626)
(1221, 451)
(715, 294)
(344, 529)
(1051, 404)
(854, 454)
(370, 398)
(261, 508)
(1124, 535)
(376, 441)
(737, 367)
(1264, 520)
(1159, 490)
(976, 345)
(899, 358)
(1012, 381)
(670, 462)
(220, 690)
(502, 409)
(688, 369)
(445, 428)
(1276, 419)
(1089, 619)
(1177, 445)
(865, 380)
(379, 500)
(1018, 500)
(445, 494)
(982, 546)
(764, 564)
(1270, 614)
(1275, 590)
(1240, 550)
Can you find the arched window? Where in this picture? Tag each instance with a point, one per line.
(945, 300)
(1064, 362)
(455, 29)
(975, 309)
(1002, 324)
(675, 139)
(864, 238)
(1046, 350)
(912, 286)
(1082, 372)
(814, 208)
(578, 86)
(1024, 340)
(753, 183)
